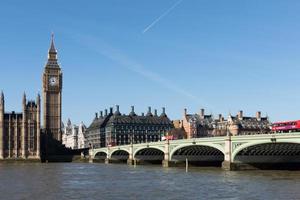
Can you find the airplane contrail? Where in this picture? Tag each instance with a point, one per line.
(162, 16)
(122, 59)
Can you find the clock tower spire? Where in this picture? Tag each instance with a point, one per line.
(52, 94)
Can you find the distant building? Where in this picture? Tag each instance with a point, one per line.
(201, 125)
(241, 125)
(74, 136)
(20, 132)
(197, 125)
(120, 129)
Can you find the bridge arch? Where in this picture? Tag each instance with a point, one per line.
(119, 154)
(149, 154)
(270, 152)
(217, 148)
(100, 155)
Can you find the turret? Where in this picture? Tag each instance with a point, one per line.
(24, 101)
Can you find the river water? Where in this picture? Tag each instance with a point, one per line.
(100, 181)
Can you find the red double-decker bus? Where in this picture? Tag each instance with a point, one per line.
(286, 127)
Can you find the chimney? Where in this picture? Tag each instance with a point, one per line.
(220, 117)
(202, 113)
(240, 115)
(117, 110)
(143, 114)
(164, 110)
(132, 113)
(96, 115)
(185, 112)
(110, 110)
(155, 113)
(101, 114)
(106, 112)
(258, 116)
(149, 112)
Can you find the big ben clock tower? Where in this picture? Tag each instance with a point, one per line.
(52, 93)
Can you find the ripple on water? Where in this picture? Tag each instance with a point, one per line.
(99, 181)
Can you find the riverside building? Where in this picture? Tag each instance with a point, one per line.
(202, 125)
(115, 128)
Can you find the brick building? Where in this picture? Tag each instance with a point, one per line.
(202, 125)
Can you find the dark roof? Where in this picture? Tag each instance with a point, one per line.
(135, 119)
(97, 123)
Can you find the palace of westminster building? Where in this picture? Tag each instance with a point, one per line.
(20, 133)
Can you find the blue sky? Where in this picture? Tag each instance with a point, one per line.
(214, 54)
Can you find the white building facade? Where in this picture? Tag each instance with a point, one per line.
(74, 136)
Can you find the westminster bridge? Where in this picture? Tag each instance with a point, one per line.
(231, 152)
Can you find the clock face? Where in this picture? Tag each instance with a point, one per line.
(53, 81)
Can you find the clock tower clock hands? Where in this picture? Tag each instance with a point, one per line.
(52, 93)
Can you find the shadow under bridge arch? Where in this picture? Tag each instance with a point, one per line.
(198, 155)
(279, 155)
(149, 155)
(120, 155)
(100, 155)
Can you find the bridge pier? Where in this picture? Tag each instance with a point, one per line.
(228, 164)
(107, 161)
(91, 155)
(166, 162)
(130, 161)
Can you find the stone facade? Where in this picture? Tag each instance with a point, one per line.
(20, 132)
(201, 125)
(74, 136)
(114, 128)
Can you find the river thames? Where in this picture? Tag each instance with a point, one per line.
(100, 181)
